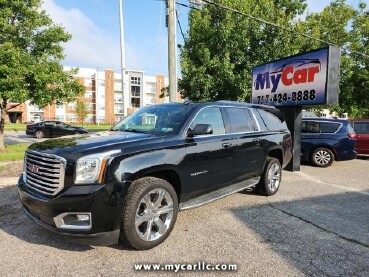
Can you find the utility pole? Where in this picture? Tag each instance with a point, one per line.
(172, 53)
(122, 55)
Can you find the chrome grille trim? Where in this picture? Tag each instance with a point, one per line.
(44, 172)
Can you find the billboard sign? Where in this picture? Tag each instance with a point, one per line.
(310, 78)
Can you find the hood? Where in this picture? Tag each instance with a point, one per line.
(73, 147)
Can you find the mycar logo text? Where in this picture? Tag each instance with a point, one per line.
(297, 71)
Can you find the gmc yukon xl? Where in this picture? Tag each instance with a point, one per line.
(128, 183)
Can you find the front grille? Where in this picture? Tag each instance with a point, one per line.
(44, 172)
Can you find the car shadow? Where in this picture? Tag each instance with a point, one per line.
(326, 235)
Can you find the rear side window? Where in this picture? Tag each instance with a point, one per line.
(319, 127)
(239, 120)
(272, 122)
(330, 128)
(361, 127)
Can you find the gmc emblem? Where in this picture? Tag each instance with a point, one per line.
(33, 168)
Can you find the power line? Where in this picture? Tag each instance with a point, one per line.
(180, 27)
(273, 24)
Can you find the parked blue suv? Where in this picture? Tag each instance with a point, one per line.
(324, 140)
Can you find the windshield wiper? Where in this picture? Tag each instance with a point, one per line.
(134, 131)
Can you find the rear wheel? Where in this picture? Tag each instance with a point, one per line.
(149, 213)
(322, 157)
(271, 177)
(39, 134)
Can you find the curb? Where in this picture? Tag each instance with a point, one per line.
(8, 181)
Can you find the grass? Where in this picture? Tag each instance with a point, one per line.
(18, 127)
(13, 152)
(2, 167)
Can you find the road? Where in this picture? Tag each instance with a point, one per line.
(13, 137)
(317, 225)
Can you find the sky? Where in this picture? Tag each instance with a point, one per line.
(94, 26)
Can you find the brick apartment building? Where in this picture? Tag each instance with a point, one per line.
(104, 98)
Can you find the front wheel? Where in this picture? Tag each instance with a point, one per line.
(322, 157)
(149, 213)
(271, 177)
(39, 134)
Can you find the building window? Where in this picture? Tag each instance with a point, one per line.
(89, 106)
(101, 119)
(72, 106)
(102, 108)
(89, 94)
(60, 117)
(135, 91)
(88, 82)
(60, 107)
(136, 81)
(71, 118)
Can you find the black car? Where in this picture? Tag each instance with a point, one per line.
(324, 140)
(130, 183)
(53, 129)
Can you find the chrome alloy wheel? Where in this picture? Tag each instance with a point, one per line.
(274, 177)
(322, 157)
(154, 214)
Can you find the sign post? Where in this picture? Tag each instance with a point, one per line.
(306, 79)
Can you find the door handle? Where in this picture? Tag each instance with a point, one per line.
(226, 145)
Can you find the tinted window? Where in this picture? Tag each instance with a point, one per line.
(261, 122)
(272, 122)
(211, 116)
(239, 120)
(310, 127)
(330, 128)
(361, 127)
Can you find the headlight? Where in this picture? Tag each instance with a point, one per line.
(90, 169)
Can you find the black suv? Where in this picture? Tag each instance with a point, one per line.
(130, 182)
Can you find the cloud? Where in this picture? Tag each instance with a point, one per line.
(90, 45)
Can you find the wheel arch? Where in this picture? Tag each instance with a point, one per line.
(168, 174)
(278, 154)
(323, 146)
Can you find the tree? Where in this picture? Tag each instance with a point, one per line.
(30, 55)
(81, 111)
(223, 46)
(347, 27)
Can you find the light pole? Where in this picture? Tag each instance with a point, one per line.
(122, 55)
(172, 53)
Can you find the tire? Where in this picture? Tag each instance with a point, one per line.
(76, 133)
(39, 134)
(147, 222)
(271, 178)
(322, 157)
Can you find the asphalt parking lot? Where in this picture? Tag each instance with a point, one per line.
(317, 225)
(13, 137)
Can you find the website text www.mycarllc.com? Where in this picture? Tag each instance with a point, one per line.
(200, 266)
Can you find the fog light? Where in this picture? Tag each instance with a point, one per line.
(74, 221)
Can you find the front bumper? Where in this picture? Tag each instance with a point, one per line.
(103, 204)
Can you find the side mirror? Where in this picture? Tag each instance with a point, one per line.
(200, 129)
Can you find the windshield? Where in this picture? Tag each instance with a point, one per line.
(157, 119)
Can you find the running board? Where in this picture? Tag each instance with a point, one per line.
(218, 194)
